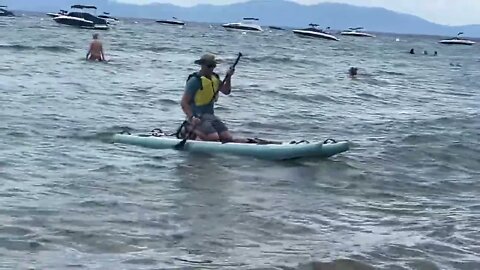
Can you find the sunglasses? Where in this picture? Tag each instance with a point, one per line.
(211, 66)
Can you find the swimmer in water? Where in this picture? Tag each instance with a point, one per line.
(95, 53)
(353, 71)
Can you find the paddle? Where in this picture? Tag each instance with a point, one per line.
(181, 145)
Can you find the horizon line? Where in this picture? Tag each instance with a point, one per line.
(285, 26)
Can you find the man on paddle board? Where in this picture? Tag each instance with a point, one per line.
(201, 92)
(95, 52)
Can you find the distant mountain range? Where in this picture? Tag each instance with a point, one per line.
(270, 12)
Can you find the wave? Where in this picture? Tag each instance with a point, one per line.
(103, 136)
(344, 264)
(55, 49)
(391, 73)
(158, 49)
(19, 47)
(15, 47)
(368, 96)
(414, 139)
(272, 59)
(167, 101)
(18, 134)
(312, 98)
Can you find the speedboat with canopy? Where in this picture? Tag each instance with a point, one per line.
(457, 41)
(82, 19)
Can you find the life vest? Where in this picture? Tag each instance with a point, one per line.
(208, 89)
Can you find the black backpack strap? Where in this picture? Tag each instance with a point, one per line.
(195, 74)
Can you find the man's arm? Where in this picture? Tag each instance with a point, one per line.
(89, 52)
(190, 89)
(186, 107)
(226, 87)
(101, 51)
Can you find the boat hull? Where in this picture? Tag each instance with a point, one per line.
(79, 22)
(315, 35)
(242, 28)
(357, 34)
(7, 13)
(456, 42)
(171, 22)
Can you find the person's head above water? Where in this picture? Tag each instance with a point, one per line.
(353, 71)
(412, 51)
(95, 36)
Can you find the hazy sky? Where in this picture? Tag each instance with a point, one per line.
(451, 12)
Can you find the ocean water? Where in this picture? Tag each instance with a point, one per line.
(406, 196)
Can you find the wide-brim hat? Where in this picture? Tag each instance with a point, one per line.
(207, 59)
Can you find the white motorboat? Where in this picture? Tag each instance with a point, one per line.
(247, 25)
(173, 21)
(82, 19)
(355, 31)
(316, 32)
(457, 41)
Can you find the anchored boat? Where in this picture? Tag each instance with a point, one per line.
(457, 41)
(316, 32)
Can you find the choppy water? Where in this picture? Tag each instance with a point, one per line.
(406, 196)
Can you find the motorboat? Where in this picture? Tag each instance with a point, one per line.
(82, 19)
(247, 25)
(316, 32)
(106, 16)
(4, 12)
(457, 41)
(60, 13)
(173, 21)
(355, 31)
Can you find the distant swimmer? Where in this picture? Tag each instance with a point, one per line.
(353, 71)
(95, 52)
(435, 53)
(425, 52)
(412, 51)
